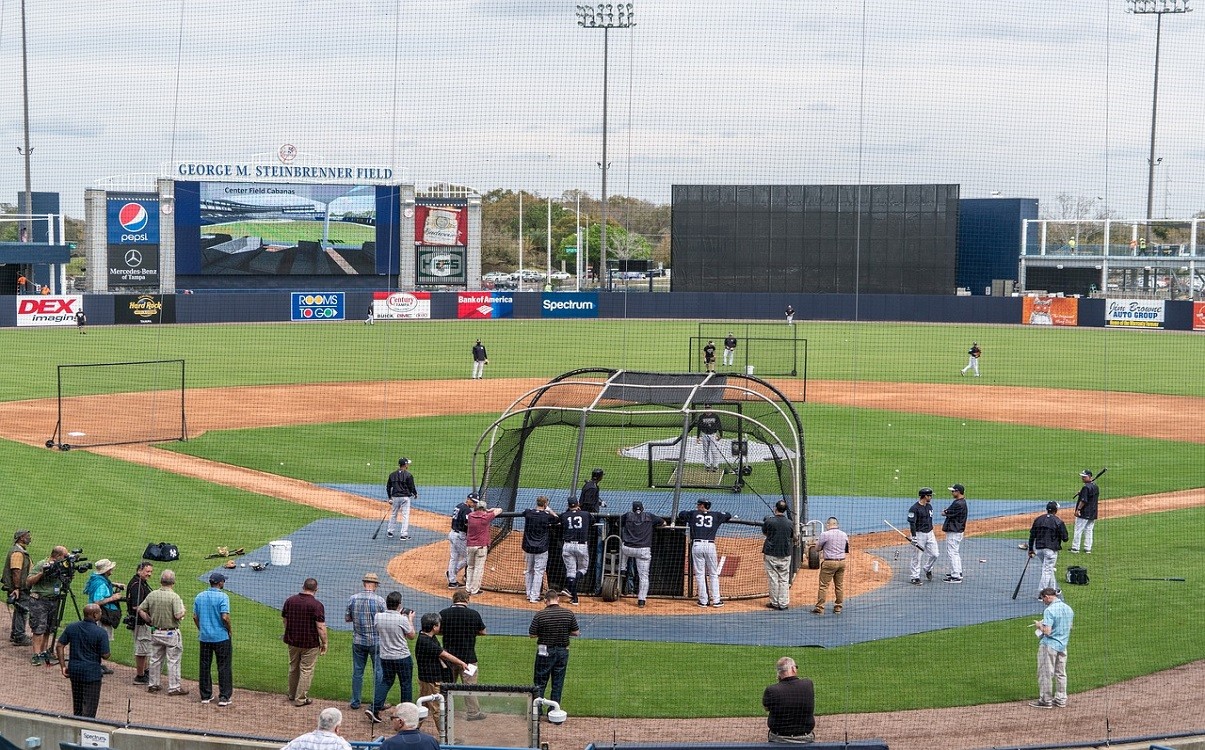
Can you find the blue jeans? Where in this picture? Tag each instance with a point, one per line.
(403, 670)
(360, 655)
(553, 665)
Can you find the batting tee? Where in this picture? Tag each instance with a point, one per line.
(641, 428)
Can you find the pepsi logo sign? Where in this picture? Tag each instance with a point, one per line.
(133, 217)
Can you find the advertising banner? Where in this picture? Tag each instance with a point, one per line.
(444, 223)
(1050, 311)
(48, 310)
(309, 306)
(569, 305)
(402, 305)
(139, 309)
(440, 266)
(1134, 313)
(1198, 316)
(133, 219)
(483, 305)
(133, 265)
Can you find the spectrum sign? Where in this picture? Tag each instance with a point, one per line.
(310, 306)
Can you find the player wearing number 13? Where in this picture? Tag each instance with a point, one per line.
(574, 550)
(703, 524)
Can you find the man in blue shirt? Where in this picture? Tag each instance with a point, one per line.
(211, 614)
(1054, 630)
(89, 645)
(362, 609)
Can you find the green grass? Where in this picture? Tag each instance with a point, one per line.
(113, 509)
(289, 232)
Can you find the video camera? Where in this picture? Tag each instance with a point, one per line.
(64, 570)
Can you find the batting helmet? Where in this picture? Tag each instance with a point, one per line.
(403, 461)
(1052, 506)
(597, 474)
(923, 491)
(1086, 474)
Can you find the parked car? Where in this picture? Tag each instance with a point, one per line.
(560, 275)
(527, 274)
(495, 276)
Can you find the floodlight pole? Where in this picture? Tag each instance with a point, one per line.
(27, 221)
(1156, 8)
(605, 16)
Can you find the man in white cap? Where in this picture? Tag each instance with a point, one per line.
(101, 591)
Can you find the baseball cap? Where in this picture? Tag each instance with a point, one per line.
(216, 578)
(1086, 474)
(104, 565)
(957, 488)
(403, 461)
(705, 503)
(370, 578)
(924, 491)
(1051, 506)
(20, 533)
(597, 473)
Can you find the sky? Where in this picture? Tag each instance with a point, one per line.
(1028, 98)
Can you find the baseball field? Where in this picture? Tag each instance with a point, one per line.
(279, 415)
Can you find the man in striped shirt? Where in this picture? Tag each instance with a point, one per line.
(552, 627)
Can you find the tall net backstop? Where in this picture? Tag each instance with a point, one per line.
(642, 429)
(115, 403)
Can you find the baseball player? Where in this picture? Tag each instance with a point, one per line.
(636, 543)
(1046, 537)
(458, 558)
(709, 431)
(790, 313)
(729, 350)
(81, 320)
(536, 522)
(954, 527)
(709, 356)
(703, 523)
(371, 318)
(920, 523)
(480, 360)
(973, 359)
(400, 489)
(590, 499)
(1085, 513)
(574, 552)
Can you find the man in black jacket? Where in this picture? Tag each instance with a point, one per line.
(1046, 537)
(792, 704)
(954, 526)
(636, 543)
(401, 491)
(1085, 513)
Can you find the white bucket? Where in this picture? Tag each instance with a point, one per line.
(281, 552)
(748, 369)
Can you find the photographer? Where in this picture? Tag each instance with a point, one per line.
(16, 585)
(45, 590)
(103, 592)
(136, 591)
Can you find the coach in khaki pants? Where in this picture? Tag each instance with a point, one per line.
(305, 635)
(834, 546)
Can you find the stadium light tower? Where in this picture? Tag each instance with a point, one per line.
(1157, 8)
(27, 222)
(605, 16)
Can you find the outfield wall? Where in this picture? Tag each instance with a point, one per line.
(277, 307)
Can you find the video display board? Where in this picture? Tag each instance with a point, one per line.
(265, 229)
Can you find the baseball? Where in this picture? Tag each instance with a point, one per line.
(888, 424)
(982, 560)
(897, 471)
(282, 463)
(964, 424)
(242, 565)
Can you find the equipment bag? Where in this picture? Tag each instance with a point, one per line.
(1077, 575)
(161, 552)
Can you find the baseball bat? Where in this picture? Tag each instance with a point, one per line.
(1025, 570)
(376, 533)
(1158, 579)
(1099, 474)
(910, 540)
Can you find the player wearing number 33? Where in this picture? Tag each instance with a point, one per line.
(703, 524)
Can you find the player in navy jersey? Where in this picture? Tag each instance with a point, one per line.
(574, 552)
(703, 523)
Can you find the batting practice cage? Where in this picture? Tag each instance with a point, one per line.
(116, 403)
(642, 430)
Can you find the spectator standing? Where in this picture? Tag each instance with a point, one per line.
(163, 609)
(325, 737)
(211, 615)
(401, 490)
(405, 719)
(362, 609)
(137, 590)
(1054, 630)
(305, 635)
(480, 360)
(575, 549)
(477, 545)
(16, 585)
(1046, 537)
(834, 546)
(395, 628)
(792, 704)
(536, 523)
(434, 663)
(776, 555)
(552, 627)
(89, 644)
(954, 526)
(458, 556)
(636, 543)
(1086, 509)
(460, 626)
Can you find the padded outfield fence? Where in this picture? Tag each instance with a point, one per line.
(117, 403)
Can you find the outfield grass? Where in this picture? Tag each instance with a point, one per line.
(289, 232)
(113, 509)
(1075, 358)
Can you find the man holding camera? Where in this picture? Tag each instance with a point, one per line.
(136, 592)
(45, 590)
(16, 585)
